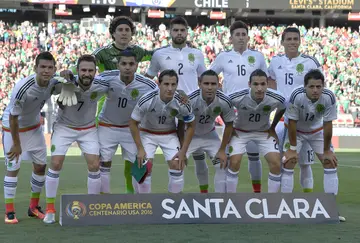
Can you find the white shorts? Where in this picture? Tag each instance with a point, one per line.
(110, 138)
(266, 145)
(63, 137)
(306, 153)
(315, 140)
(208, 143)
(32, 145)
(168, 143)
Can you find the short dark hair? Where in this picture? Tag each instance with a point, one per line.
(121, 20)
(314, 74)
(178, 20)
(86, 58)
(290, 30)
(168, 72)
(238, 25)
(209, 73)
(44, 56)
(127, 53)
(257, 73)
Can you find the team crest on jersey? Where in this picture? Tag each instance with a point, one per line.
(251, 60)
(231, 149)
(287, 145)
(320, 108)
(173, 113)
(17, 102)
(266, 109)
(217, 110)
(53, 148)
(134, 94)
(93, 95)
(191, 58)
(300, 68)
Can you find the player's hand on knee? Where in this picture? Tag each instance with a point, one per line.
(221, 155)
(141, 157)
(290, 156)
(181, 157)
(14, 152)
(329, 157)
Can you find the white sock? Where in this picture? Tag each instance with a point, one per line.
(255, 167)
(135, 185)
(37, 182)
(51, 183)
(94, 182)
(145, 187)
(287, 180)
(331, 181)
(105, 179)
(10, 185)
(274, 182)
(220, 179)
(201, 169)
(306, 177)
(232, 179)
(176, 181)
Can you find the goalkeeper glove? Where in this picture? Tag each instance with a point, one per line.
(67, 96)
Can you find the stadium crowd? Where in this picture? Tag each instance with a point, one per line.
(337, 49)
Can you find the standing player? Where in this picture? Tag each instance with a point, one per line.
(125, 88)
(287, 73)
(189, 65)
(22, 132)
(156, 113)
(311, 111)
(237, 65)
(254, 106)
(207, 103)
(76, 124)
(122, 29)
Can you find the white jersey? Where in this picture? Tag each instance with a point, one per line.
(310, 116)
(289, 74)
(205, 114)
(27, 100)
(187, 62)
(237, 68)
(155, 115)
(122, 98)
(83, 114)
(252, 116)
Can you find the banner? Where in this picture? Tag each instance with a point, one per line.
(187, 3)
(305, 4)
(195, 208)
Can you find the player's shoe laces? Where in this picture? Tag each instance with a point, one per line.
(49, 218)
(10, 218)
(36, 212)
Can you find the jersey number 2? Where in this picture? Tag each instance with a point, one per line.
(180, 68)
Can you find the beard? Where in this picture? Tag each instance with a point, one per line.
(86, 81)
(178, 40)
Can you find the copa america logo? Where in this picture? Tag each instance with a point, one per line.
(76, 210)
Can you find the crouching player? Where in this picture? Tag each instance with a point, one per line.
(254, 106)
(207, 103)
(156, 113)
(311, 111)
(77, 124)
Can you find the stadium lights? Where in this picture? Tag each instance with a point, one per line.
(111, 9)
(188, 12)
(204, 12)
(86, 8)
(136, 10)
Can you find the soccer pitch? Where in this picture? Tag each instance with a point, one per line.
(73, 179)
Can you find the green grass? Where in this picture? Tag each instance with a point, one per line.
(73, 180)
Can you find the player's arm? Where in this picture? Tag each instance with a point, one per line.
(281, 108)
(136, 116)
(330, 114)
(201, 67)
(216, 65)
(292, 113)
(181, 132)
(154, 67)
(271, 78)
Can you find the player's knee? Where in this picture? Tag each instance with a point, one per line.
(106, 164)
(93, 166)
(274, 162)
(235, 162)
(290, 164)
(39, 169)
(174, 164)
